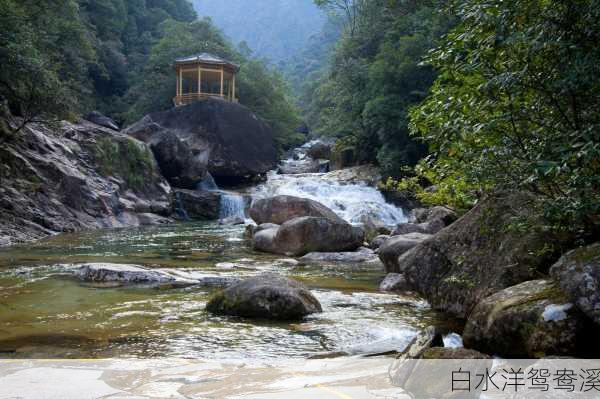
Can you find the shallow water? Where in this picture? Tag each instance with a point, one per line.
(46, 312)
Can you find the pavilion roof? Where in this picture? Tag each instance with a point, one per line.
(207, 59)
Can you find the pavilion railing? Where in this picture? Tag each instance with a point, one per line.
(188, 98)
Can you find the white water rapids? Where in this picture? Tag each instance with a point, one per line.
(351, 201)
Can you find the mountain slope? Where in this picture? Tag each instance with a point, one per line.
(273, 29)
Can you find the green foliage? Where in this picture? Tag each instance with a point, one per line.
(376, 76)
(126, 159)
(44, 54)
(260, 88)
(516, 104)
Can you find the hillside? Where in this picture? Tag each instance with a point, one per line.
(273, 29)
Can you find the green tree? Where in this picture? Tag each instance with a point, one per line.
(259, 88)
(44, 53)
(516, 104)
(376, 76)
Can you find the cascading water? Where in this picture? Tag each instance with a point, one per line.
(232, 206)
(352, 202)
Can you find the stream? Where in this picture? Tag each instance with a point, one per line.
(45, 312)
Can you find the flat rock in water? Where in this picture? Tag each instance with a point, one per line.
(265, 297)
(127, 274)
(122, 274)
(363, 255)
(394, 282)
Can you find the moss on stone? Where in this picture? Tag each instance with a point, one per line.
(126, 159)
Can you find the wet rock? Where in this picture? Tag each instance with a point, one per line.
(479, 254)
(68, 177)
(282, 208)
(366, 174)
(319, 150)
(374, 226)
(446, 215)
(127, 274)
(578, 274)
(378, 241)
(102, 120)
(178, 163)
(425, 339)
(394, 282)
(265, 297)
(363, 255)
(266, 226)
(432, 227)
(453, 353)
(529, 320)
(264, 240)
(198, 205)
(392, 248)
(232, 221)
(295, 167)
(303, 235)
(418, 215)
(404, 199)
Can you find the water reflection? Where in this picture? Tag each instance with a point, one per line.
(46, 312)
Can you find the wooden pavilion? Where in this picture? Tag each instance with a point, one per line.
(203, 76)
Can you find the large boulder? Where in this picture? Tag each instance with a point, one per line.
(233, 143)
(265, 297)
(66, 177)
(264, 240)
(432, 227)
(303, 235)
(395, 246)
(578, 274)
(318, 149)
(480, 254)
(282, 208)
(178, 163)
(530, 320)
(197, 205)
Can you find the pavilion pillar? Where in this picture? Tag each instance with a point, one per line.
(180, 78)
(221, 81)
(233, 89)
(199, 80)
(177, 87)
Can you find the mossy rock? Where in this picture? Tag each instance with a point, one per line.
(578, 273)
(530, 320)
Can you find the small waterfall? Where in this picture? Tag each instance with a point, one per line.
(232, 205)
(180, 209)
